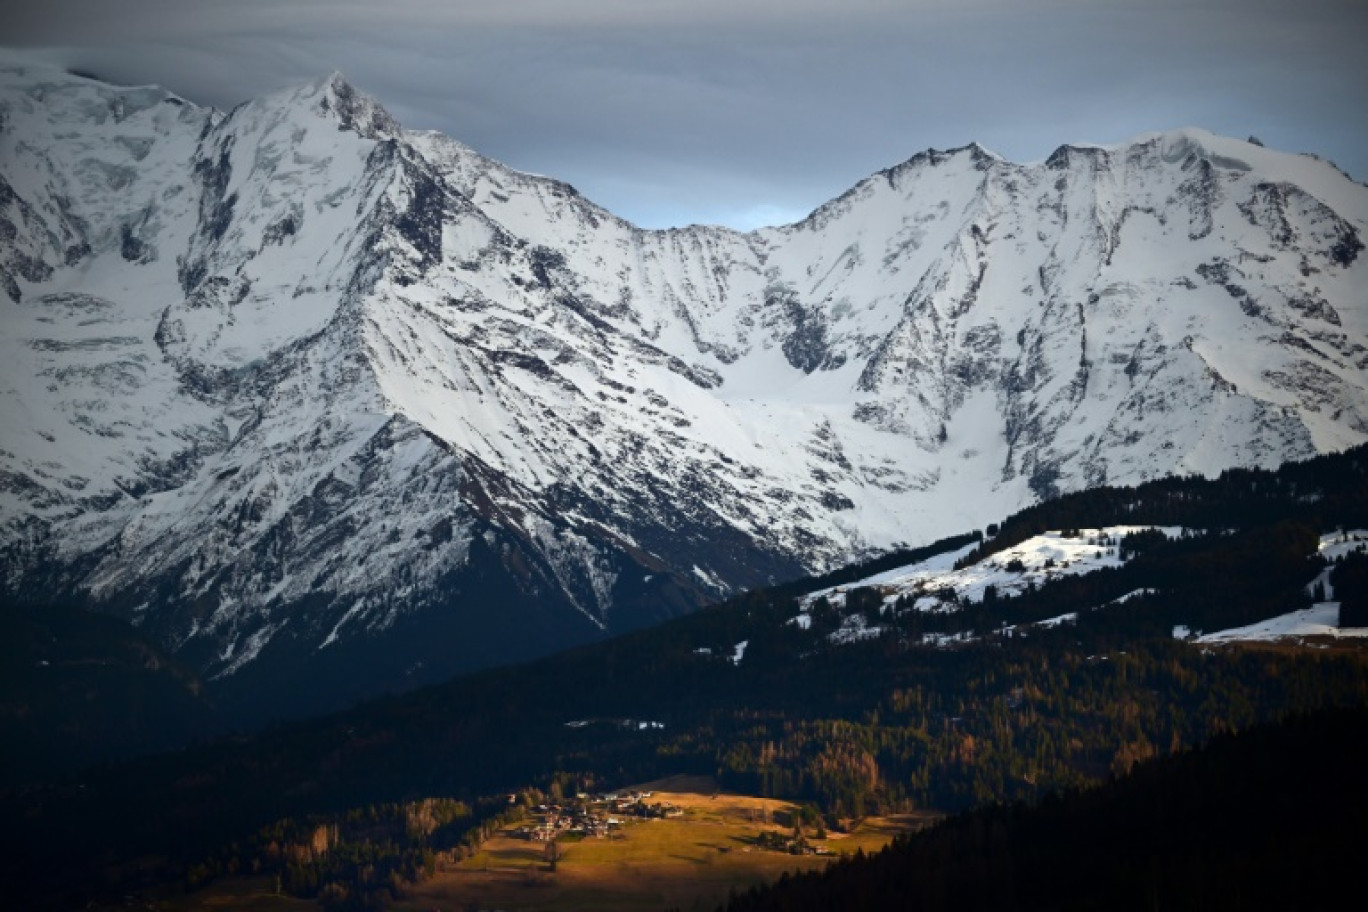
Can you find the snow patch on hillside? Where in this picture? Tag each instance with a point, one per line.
(1335, 545)
(1320, 620)
(1030, 564)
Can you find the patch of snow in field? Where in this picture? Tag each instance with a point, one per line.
(1011, 630)
(853, 629)
(1337, 544)
(637, 724)
(1069, 618)
(938, 565)
(1041, 558)
(1319, 620)
(947, 639)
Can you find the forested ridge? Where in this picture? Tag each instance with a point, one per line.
(78, 687)
(881, 725)
(1270, 818)
(1325, 491)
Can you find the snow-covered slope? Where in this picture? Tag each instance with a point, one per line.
(941, 585)
(952, 581)
(936, 584)
(292, 381)
(1320, 620)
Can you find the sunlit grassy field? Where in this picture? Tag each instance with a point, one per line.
(689, 862)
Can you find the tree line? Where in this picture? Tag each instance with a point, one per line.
(1249, 821)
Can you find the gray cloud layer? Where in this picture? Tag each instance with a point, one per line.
(750, 111)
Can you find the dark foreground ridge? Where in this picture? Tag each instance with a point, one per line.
(1271, 818)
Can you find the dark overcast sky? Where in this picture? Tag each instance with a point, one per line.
(749, 112)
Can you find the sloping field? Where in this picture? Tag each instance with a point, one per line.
(686, 862)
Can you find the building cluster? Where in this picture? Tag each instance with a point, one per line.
(593, 815)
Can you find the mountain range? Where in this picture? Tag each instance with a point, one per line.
(325, 406)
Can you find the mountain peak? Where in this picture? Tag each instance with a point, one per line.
(355, 110)
(331, 96)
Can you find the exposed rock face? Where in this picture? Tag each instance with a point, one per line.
(313, 398)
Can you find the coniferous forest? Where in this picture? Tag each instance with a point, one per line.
(1270, 818)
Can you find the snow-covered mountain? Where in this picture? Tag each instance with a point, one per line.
(316, 399)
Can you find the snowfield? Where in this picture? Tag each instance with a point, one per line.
(1337, 544)
(1010, 572)
(934, 585)
(1321, 620)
